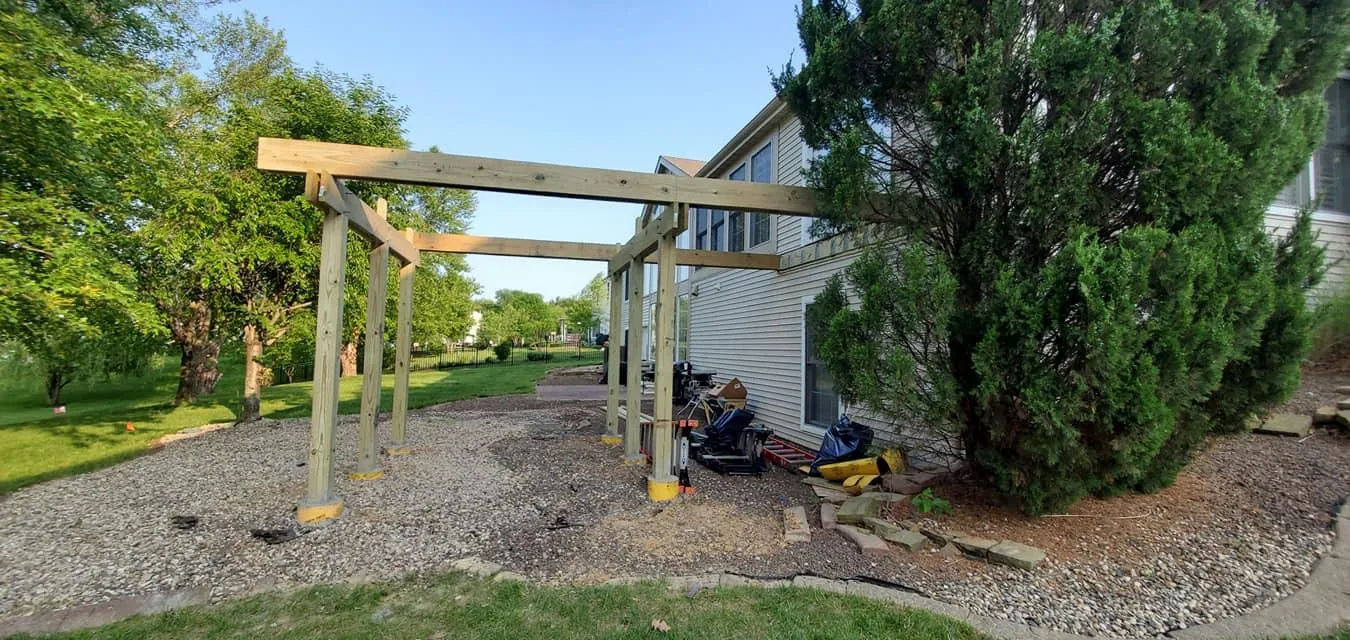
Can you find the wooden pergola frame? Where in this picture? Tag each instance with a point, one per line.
(327, 165)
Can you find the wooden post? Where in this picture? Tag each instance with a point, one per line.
(662, 485)
(612, 360)
(632, 435)
(367, 451)
(402, 359)
(320, 504)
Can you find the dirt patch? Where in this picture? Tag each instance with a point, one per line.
(573, 376)
(667, 532)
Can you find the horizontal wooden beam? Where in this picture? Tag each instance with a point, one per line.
(670, 222)
(511, 176)
(336, 196)
(592, 251)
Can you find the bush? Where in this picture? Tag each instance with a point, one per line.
(503, 351)
(1331, 328)
(534, 356)
(483, 344)
(489, 360)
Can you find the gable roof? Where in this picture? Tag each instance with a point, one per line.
(689, 167)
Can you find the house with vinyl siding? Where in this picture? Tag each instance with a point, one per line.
(750, 324)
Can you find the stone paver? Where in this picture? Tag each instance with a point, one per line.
(830, 495)
(900, 535)
(827, 516)
(868, 544)
(795, 527)
(1016, 554)
(975, 546)
(1286, 424)
(857, 510)
(476, 566)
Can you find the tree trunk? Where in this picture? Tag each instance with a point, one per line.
(253, 347)
(55, 383)
(199, 371)
(348, 357)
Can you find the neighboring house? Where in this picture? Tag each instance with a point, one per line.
(751, 324)
(475, 324)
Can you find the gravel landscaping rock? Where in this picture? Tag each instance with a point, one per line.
(526, 484)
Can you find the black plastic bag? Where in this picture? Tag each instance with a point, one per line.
(845, 440)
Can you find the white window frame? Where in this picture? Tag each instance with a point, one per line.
(772, 145)
(801, 388)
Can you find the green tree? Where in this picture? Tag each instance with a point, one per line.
(78, 133)
(518, 316)
(1083, 187)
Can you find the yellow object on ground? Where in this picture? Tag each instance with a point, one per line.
(857, 484)
(611, 439)
(397, 451)
(662, 491)
(890, 461)
(318, 513)
(369, 475)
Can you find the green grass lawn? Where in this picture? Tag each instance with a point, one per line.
(455, 606)
(36, 445)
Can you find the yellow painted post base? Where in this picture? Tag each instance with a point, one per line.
(611, 439)
(311, 514)
(368, 475)
(662, 491)
(636, 460)
(397, 451)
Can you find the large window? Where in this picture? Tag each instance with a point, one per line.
(810, 155)
(1331, 162)
(715, 230)
(700, 228)
(736, 219)
(682, 328)
(761, 170)
(820, 402)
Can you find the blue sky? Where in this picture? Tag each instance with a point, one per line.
(595, 84)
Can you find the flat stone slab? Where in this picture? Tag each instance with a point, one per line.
(474, 565)
(822, 482)
(1326, 415)
(1343, 403)
(975, 546)
(795, 527)
(906, 537)
(857, 510)
(827, 516)
(1016, 554)
(868, 544)
(941, 538)
(1286, 424)
(830, 495)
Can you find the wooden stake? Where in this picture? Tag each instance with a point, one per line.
(662, 484)
(320, 504)
(368, 455)
(402, 359)
(632, 435)
(612, 360)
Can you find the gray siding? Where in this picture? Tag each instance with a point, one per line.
(749, 324)
(1333, 233)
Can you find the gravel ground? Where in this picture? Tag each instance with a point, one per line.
(526, 483)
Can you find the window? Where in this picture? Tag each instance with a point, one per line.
(715, 230)
(1329, 163)
(625, 284)
(700, 228)
(820, 403)
(682, 328)
(736, 219)
(810, 155)
(761, 170)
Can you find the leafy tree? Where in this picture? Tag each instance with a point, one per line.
(518, 316)
(592, 305)
(1084, 187)
(78, 130)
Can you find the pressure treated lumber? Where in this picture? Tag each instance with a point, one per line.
(337, 197)
(402, 359)
(643, 243)
(511, 176)
(367, 448)
(592, 251)
(320, 504)
(612, 358)
(662, 484)
(632, 435)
